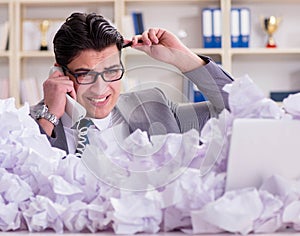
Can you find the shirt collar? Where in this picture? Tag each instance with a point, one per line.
(103, 123)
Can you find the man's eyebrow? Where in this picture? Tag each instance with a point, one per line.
(82, 69)
(105, 68)
(112, 67)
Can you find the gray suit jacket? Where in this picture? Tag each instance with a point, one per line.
(151, 111)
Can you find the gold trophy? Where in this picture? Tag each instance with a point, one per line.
(44, 26)
(270, 25)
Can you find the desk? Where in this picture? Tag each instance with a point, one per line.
(25, 233)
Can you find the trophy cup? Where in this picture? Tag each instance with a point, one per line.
(270, 25)
(44, 26)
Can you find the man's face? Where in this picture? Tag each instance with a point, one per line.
(98, 98)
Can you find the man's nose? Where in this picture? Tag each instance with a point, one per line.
(100, 85)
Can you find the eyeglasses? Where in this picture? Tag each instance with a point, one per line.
(90, 76)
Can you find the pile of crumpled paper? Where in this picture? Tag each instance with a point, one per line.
(141, 184)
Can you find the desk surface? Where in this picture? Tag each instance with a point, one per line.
(18, 233)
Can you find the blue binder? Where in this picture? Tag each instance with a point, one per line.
(235, 27)
(207, 28)
(138, 22)
(245, 27)
(217, 27)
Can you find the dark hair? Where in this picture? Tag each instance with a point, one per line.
(83, 31)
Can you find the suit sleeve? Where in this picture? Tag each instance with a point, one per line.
(210, 80)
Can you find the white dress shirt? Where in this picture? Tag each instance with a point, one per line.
(111, 120)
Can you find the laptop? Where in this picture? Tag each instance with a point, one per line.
(260, 148)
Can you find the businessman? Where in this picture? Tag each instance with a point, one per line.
(88, 52)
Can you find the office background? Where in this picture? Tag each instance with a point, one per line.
(23, 67)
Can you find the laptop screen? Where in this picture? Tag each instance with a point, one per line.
(260, 148)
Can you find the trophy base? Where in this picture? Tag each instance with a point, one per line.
(43, 48)
(271, 42)
(271, 45)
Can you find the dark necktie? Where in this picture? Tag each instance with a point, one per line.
(82, 128)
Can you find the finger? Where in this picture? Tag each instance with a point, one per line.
(58, 85)
(132, 43)
(152, 34)
(127, 43)
(72, 93)
(55, 68)
(56, 73)
(145, 38)
(136, 40)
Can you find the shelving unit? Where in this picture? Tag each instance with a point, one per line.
(272, 69)
(7, 56)
(176, 16)
(34, 63)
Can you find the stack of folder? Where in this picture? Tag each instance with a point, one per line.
(212, 27)
(240, 27)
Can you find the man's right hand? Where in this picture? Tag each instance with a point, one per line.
(55, 89)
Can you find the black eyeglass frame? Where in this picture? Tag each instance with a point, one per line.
(95, 73)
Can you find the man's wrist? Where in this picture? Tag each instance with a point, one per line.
(43, 113)
(47, 127)
(190, 61)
